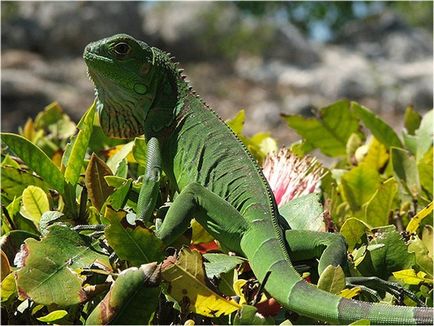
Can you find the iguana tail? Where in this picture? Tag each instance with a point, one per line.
(264, 253)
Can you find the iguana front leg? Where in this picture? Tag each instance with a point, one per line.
(215, 214)
(151, 181)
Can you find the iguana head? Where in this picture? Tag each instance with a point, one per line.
(126, 82)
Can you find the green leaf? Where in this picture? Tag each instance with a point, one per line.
(134, 243)
(218, 264)
(15, 180)
(8, 287)
(331, 131)
(425, 134)
(392, 256)
(115, 161)
(332, 279)
(353, 230)
(304, 213)
(53, 316)
(379, 207)
(409, 276)
(47, 219)
(414, 223)
(377, 155)
(132, 300)
(405, 169)
(35, 203)
(139, 151)
(248, 315)
(96, 185)
(12, 241)
(237, 123)
(358, 185)
(50, 115)
(50, 272)
(422, 255)
(35, 159)
(79, 147)
(425, 169)
(382, 131)
(186, 277)
(412, 120)
(118, 199)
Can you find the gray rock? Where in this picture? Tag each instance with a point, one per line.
(64, 28)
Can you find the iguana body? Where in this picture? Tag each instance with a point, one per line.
(140, 91)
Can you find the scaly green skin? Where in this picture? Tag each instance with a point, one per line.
(141, 91)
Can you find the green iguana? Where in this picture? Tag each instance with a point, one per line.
(140, 90)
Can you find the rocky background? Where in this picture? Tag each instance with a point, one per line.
(265, 58)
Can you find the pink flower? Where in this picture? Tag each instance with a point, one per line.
(291, 176)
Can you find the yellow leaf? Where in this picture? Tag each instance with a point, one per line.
(35, 203)
(186, 276)
(8, 287)
(199, 234)
(409, 276)
(350, 293)
(238, 288)
(414, 223)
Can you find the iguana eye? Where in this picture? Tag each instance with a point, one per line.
(122, 49)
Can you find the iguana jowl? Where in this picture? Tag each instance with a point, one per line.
(141, 91)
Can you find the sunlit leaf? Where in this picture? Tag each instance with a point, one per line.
(425, 167)
(353, 230)
(331, 131)
(237, 122)
(132, 299)
(8, 287)
(414, 223)
(405, 169)
(381, 130)
(123, 151)
(424, 134)
(427, 238)
(332, 279)
(79, 145)
(186, 276)
(53, 316)
(134, 243)
(359, 185)
(350, 293)
(35, 159)
(377, 154)
(379, 207)
(96, 185)
(50, 268)
(35, 203)
(409, 276)
(423, 259)
(140, 150)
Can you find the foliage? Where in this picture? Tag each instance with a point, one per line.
(73, 251)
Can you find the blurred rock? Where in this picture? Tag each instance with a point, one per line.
(386, 36)
(64, 28)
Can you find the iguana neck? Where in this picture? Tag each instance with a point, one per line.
(169, 99)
